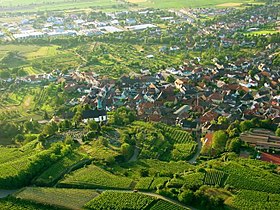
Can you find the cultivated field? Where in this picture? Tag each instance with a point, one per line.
(112, 5)
(65, 198)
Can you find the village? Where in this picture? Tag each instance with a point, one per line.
(193, 95)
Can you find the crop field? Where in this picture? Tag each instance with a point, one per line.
(184, 151)
(11, 154)
(94, 177)
(250, 178)
(214, 177)
(109, 5)
(176, 135)
(156, 167)
(164, 205)
(41, 5)
(57, 170)
(247, 199)
(15, 160)
(120, 200)
(150, 183)
(64, 198)
(16, 204)
(167, 4)
(30, 57)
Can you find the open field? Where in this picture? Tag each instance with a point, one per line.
(95, 177)
(64, 198)
(190, 3)
(111, 5)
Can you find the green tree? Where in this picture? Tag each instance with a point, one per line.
(186, 196)
(123, 116)
(219, 141)
(92, 125)
(234, 145)
(126, 150)
(50, 129)
(277, 132)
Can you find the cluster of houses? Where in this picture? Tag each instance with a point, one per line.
(37, 26)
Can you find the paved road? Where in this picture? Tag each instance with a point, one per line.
(199, 146)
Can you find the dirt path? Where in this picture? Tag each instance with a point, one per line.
(135, 155)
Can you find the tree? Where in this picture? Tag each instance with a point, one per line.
(170, 79)
(246, 125)
(123, 116)
(277, 132)
(68, 140)
(186, 196)
(219, 141)
(222, 120)
(92, 125)
(234, 145)
(19, 138)
(126, 150)
(50, 129)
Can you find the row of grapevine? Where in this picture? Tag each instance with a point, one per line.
(16, 204)
(214, 177)
(94, 177)
(248, 199)
(183, 151)
(176, 135)
(251, 178)
(164, 205)
(66, 198)
(120, 200)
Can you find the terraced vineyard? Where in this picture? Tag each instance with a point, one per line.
(176, 135)
(150, 183)
(53, 173)
(183, 151)
(11, 154)
(64, 198)
(16, 204)
(248, 199)
(214, 177)
(120, 200)
(251, 178)
(20, 171)
(95, 177)
(164, 205)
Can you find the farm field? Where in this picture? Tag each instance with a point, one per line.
(120, 200)
(16, 204)
(53, 173)
(94, 177)
(189, 3)
(31, 5)
(247, 199)
(64, 198)
(161, 204)
(112, 5)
